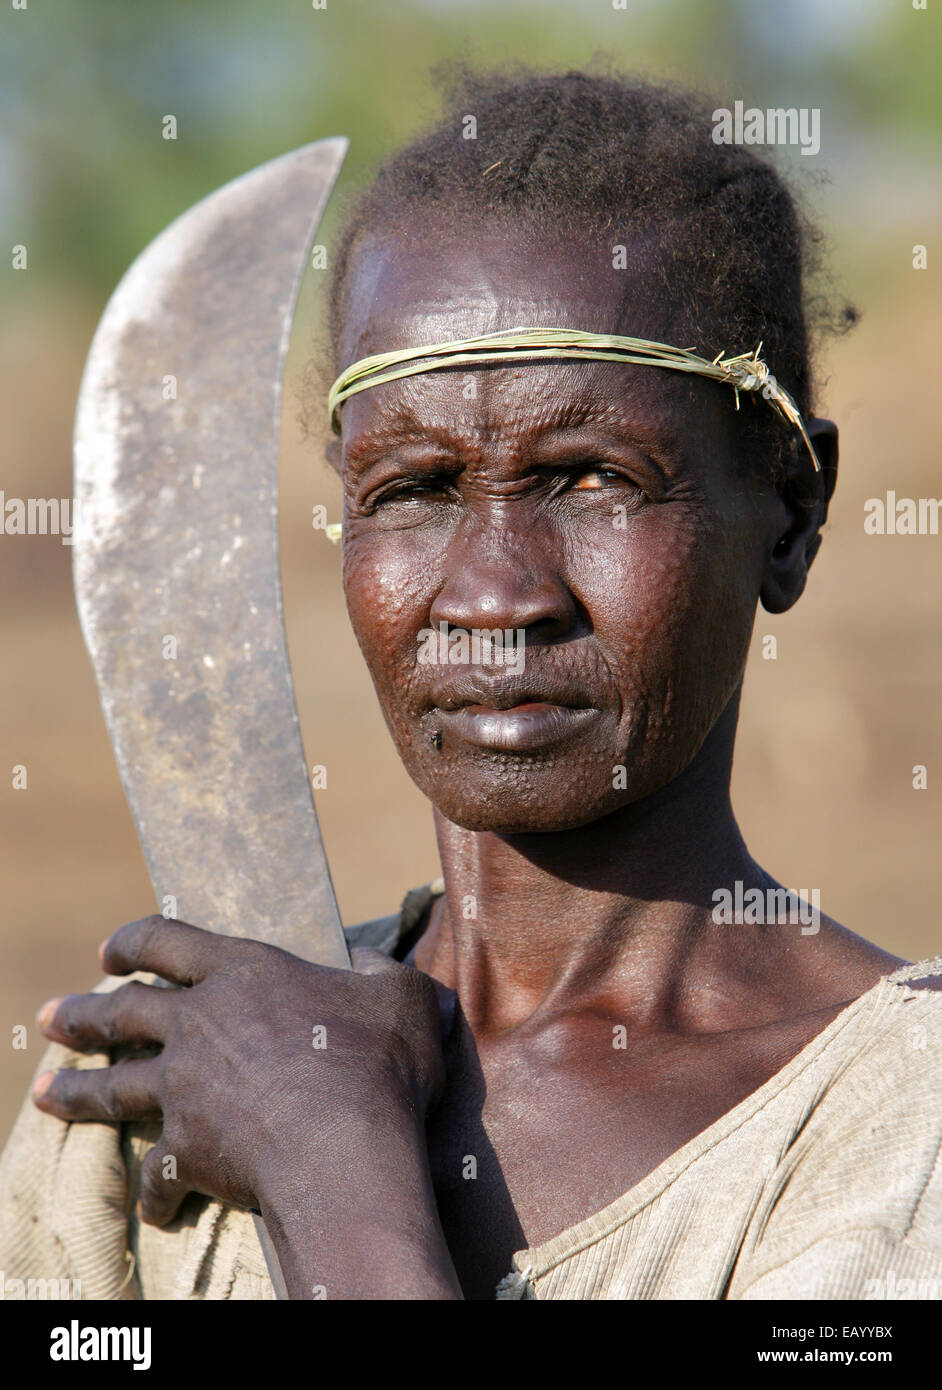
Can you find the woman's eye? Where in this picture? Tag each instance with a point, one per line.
(405, 492)
(592, 478)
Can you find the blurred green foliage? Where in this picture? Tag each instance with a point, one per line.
(87, 179)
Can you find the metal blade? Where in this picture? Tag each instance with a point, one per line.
(176, 569)
(176, 559)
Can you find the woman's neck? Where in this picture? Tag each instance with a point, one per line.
(619, 910)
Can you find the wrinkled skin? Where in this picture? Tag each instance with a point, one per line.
(482, 516)
(575, 900)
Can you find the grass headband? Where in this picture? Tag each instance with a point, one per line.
(747, 372)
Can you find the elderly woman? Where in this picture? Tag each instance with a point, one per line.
(566, 1075)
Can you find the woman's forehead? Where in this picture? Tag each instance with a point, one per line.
(406, 290)
(409, 290)
(513, 413)
(528, 414)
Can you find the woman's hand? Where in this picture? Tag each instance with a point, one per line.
(283, 1086)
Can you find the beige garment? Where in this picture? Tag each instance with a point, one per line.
(826, 1182)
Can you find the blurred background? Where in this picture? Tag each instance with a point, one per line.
(831, 729)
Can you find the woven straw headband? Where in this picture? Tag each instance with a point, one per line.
(747, 372)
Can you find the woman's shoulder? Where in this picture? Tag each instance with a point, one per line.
(897, 1043)
(866, 1105)
(856, 1196)
(912, 990)
(874, 1117)
(921, 974)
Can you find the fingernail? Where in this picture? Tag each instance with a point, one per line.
(42, 1083)
(44, 1016)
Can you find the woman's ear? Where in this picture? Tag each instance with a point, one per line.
(806, 495)
(333, 453)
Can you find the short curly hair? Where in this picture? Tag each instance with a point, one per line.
(620, 156)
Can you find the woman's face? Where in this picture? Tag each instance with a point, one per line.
(597, 508)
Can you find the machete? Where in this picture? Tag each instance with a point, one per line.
(176, 568)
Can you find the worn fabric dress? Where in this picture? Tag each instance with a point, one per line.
(826, 1182)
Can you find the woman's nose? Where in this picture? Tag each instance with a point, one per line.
(513, 584)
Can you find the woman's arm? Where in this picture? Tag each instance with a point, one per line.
(378, 1235)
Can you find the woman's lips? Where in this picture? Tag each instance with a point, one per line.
(534, 724)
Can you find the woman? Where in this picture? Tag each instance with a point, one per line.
(570, 1078)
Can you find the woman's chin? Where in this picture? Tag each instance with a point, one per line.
(501, 812)
(510, 793)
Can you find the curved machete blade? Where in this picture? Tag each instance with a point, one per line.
(176, 569)
(176, 558)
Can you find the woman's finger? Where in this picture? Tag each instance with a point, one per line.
(162, 1191)
(130, 1090)
(174, 950)
(134, 1014)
